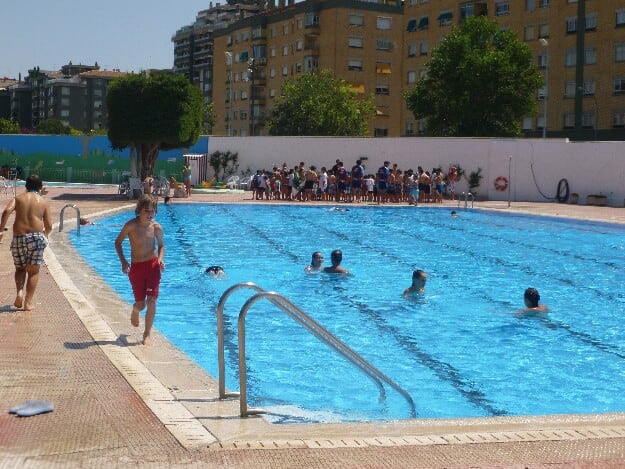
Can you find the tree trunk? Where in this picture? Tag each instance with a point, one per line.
(149, 154)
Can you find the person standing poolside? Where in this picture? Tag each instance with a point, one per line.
(146, 256)
(316, 263)
(532, 301)
(336, 257)
(31, 228)
(186, 177)
(419, 277)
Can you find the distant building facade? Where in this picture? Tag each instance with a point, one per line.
(382, 48)
(75, 95)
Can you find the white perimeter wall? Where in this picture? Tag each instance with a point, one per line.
(533, 166)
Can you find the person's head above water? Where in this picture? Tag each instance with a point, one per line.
(532, 298)
(419, 277)
(215, 270)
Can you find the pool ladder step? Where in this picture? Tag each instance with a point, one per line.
(308, 323)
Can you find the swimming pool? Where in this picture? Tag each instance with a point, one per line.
(460, 351)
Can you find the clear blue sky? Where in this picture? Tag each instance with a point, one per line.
(130, 35)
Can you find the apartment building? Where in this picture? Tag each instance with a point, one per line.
(193, 44)
(360, 41)
(382, 48)
(75, 95)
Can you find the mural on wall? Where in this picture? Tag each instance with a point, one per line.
(84, 158)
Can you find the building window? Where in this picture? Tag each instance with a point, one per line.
(569, 89)
(298, 68)
(618, 118)
(570, 58)
(380, 132)
(412, 25)
(382, 89)
(285, 50)
(502, 8)
(383, 22)
(356, 20)
(544, 3)
(542, 92)
(273, 31)
(588, 119)
(444, 19)
(312, 19)
(619, 85)
(285, 29)
(243, 94)
(591, 22)
(383, 68)
(412, 50)
(409, 128)
(542, 60)
(540, 122)
(619, 52)
(300, 44)
(354, 41)
(245, 36)
(272, 93)
(589, 88)
(423, 48)
(412, 77)
(543, 30)
(285, 71)
(571, 25)
(590, 56)
(354, 65)
(530, 5)
(273, 51)
(383, 44)
(569, 120)
(272, 72)
(620, 17)
(528, 32)
(527, 123)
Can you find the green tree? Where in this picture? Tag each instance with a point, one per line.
(52, 126)
(7, 126)
(150, 113)
(224, 164)
(320, 104)
(480, 82)
(208, 116)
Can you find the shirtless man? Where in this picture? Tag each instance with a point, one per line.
(336, 257)
(532, 301)
(31, 227)
(419, 277)
(146, 257)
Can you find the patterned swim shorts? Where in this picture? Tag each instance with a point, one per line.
(27, 249)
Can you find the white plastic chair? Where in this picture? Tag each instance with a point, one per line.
(232, 182)
(134, 184)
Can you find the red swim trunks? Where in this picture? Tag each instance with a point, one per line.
(145, 278)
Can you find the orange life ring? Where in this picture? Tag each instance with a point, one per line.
(501, 183)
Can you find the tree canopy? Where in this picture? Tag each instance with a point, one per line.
(479, 82)
(7, 126)
(150, 113)
(320, 104)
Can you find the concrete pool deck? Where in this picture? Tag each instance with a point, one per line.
(118, 403)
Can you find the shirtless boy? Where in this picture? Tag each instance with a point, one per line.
(336, 258)
(146, 257)
(31, 227)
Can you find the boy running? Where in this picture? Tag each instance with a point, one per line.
(146, 256)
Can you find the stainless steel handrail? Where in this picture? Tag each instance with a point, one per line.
(466, 196)
(77, 217)
(312, 326)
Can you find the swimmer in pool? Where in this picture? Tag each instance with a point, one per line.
(532, 301)
(336, 257)
(419, 277)
(315, 263)
(215, 271)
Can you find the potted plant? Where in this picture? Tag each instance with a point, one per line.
(475, 178)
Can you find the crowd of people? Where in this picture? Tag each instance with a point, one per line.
(388, 184)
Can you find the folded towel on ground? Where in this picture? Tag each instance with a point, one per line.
(32, 407)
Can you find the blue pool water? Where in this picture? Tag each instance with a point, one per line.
(462, 350)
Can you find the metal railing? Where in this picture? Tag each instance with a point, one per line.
(466, 196)
(74, 206)
(307, 322)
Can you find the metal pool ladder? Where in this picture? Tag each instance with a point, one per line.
(304, 320)
(75, 207)
(467, 196)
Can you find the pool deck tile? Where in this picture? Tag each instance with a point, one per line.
(118, 403)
